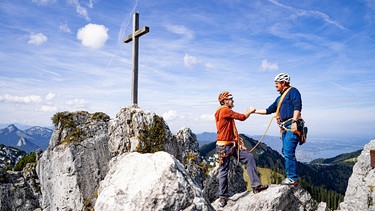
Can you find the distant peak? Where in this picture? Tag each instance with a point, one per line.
(12, 127)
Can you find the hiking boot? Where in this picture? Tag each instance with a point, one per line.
(222, 202)
(289, 181)
(259, 188)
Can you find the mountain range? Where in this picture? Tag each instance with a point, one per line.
(28, 140)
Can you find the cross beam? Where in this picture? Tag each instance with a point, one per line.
(134, 36)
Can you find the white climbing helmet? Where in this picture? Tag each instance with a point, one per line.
(282, 77)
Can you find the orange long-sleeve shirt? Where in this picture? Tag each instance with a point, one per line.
(225, 117)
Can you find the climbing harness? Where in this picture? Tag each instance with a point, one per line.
(301, 128)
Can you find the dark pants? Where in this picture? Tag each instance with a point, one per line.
(246, 158)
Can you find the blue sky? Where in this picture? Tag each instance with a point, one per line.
(69, 55)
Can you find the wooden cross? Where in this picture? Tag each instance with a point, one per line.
(134, 36)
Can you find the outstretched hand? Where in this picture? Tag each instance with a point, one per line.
(251, 110)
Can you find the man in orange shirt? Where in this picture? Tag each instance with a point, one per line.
(228, 143)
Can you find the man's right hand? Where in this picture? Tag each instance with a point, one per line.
(251, 110)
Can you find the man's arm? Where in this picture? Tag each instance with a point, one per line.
(261, 111)
(271, 109)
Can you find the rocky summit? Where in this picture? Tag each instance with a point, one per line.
(360, 194)
(134, 162)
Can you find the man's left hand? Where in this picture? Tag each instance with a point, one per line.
(294, 128)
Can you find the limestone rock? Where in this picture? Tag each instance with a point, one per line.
(188, 154)
(138, 130)
(276, 197)
(360, 193)
(322, 206)
(149, 182)
(20, 190)
(75, 162)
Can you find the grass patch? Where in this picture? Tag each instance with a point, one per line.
(266, 176)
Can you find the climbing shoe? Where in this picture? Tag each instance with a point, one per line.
(222, 202)
(259, 188)
(289, 181)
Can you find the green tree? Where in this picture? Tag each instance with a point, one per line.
(31, 158)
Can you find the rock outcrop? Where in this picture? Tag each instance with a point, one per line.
(20, 190)
(360, 193)
(137, 130)
(162, 184)
(276, 197)
(75, 162)
(83, 144)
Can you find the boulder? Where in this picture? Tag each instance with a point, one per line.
(138, 130)
(276, 197)
(148, 181)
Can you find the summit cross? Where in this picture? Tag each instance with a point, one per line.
(134, 36)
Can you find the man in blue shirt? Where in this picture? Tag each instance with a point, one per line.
(288, 117)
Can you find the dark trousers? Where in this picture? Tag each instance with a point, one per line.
(245, 158)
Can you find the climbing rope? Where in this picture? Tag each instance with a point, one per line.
(265, 132)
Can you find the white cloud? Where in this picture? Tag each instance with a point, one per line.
(50, 96)
(17, 99)
(77, 104)
(170, 115)
(209, 65)
(93, 35)
(206, 117)
(90, 4)
(313, 13)
(47, 108)
(190, 61)
(265, 66)
(79, 9)
(65, 28)
(181, 30)
(37, 39)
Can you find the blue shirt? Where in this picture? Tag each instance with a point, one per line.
(291, 102)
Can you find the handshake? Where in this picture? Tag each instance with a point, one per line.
(250, 110)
